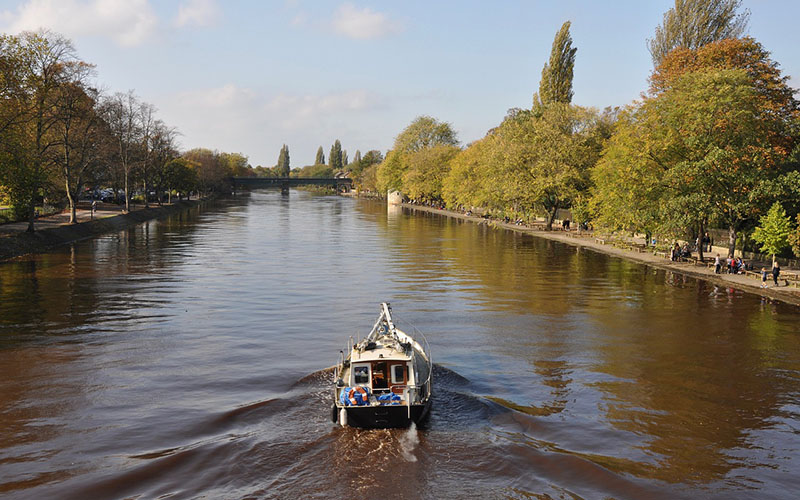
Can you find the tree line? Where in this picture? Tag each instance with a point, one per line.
(712, 143)
(60, 135)
(362, 169)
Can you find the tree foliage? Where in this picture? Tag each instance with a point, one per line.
(690, 24)
(335, 156)
(556, 82)
(774, 230)
(794, 238)
(417, 154)
(282, 167)
(320, 159)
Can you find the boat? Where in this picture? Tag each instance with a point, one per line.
(383, 380)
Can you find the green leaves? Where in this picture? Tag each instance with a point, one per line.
(773, 231)
(556, 82)
(419, 161)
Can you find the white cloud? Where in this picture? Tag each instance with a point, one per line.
(197, 13)
(363, 23)
(127, 22)
(234, 118)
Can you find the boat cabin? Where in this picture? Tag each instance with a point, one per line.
(381, 375)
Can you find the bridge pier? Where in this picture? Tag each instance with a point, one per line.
(285, 188)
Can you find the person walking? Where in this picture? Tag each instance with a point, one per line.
(763, 277)
(776, 271)
(717, 265)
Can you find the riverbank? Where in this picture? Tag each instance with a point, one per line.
(55, 230)
(741, 282)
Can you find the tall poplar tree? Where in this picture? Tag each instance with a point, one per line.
(283, 162)
(694, 23)
(335, 156)
(320, 157)
(556, 83)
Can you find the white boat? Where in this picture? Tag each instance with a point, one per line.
(383, 380)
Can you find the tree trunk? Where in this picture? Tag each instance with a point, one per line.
(146, 194)
(73, 210)
(551, 217)
(127, 194)
(700, 240)
(31, 217)
(731, 240)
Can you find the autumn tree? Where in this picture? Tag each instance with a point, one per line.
(691, 24)
(77, 128)
(556, 82)
(423, 134)
(45, 61)
(547, 156)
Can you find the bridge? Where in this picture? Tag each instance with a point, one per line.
(341, 184)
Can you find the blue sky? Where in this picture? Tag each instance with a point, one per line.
(248, 76)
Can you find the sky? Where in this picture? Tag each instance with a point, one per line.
(248, 76)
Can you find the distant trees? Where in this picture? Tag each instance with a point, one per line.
(690, 24)
(320, 160)
(282, 168)
(335, 156)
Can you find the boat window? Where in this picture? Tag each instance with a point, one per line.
(379, 376)
(361, 374)
(398, 374)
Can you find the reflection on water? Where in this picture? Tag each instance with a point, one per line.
(183, 357)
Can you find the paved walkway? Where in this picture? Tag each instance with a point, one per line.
(84, 214)
(751, 283)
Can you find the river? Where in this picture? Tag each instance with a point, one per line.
(185, 358)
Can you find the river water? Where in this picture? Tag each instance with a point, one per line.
(186, 358)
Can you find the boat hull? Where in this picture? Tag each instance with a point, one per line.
(388, 416)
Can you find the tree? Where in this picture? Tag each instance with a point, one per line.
(320, 160)
(335, 156)
(45, 61)
(717, 140)
(627, 185)
(794, 238)
(471, 181)
(422, 134)
(556, 82)
(545, 157)
(146, 123)
(283, 167)
(345, 160)
(357, 160)
(77, 127)
(180, 174)
(774, 230)
(426, 169)
(120, 112)
(690, 24)
(163, 152)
